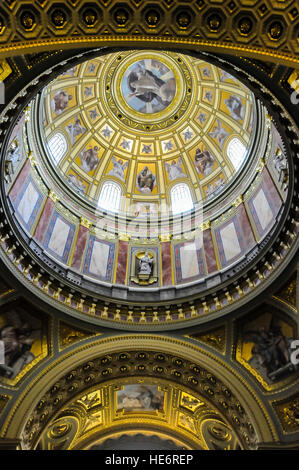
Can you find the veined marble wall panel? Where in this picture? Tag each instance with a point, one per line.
(244, 222)
(274, 197)
(209, 251)
(28, 203)
(262, 210)
(264, 205)
(166, 263)
(79, 247)
(231, 245)
(44, 220)
(99, 259)
(230, 241)
(19, 182)
(121, 268)
(59, 237)
(189, 264)
(189, 261)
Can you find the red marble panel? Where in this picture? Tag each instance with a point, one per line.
(272, 193)
(121, 268)
(209, 252)
(166, 263)
(79, 248)
(20, 180)
(249, 239)
(44, 220)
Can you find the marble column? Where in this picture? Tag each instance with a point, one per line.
(166, 263)
(14, 191)
(121, 267)
(44, 220)
(209, 251)
(79, 247)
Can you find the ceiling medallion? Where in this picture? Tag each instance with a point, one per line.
(148, 86)
(147, 90)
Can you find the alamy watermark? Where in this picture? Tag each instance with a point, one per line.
(152, 225)
(294, 357)
(295, 94)
(2, 93)
(2, 353)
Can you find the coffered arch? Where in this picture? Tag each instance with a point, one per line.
(259, 44)
(269, 29)
(134, 359)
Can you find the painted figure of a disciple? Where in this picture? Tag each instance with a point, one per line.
(148, 86)
(219, 133)
(235, 107)
(89, 159)
(75, 182)
(174, 169)
(145, 85)
(146, 180)
(60, 101)
(118, 169)
(75, 130)
(204, 162)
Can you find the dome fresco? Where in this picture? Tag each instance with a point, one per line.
(145, 177)
(149, 224)
(147, 120)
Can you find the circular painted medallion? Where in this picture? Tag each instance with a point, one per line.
(148, 86)
(147, 90)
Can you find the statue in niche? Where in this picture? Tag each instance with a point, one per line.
(281, 165)
(12, 159)
(144, 267)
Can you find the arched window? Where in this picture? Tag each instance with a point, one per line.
(110, 196)
(236, 152)
(57, 147)
(181, 199)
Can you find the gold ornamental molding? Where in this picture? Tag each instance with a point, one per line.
(5, 70)
(85, 222)
(267, 31)
(129, 41)
(147, 345)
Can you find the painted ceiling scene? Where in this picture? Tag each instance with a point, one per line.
(112, 188)
(149, 208)
(147, 120)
